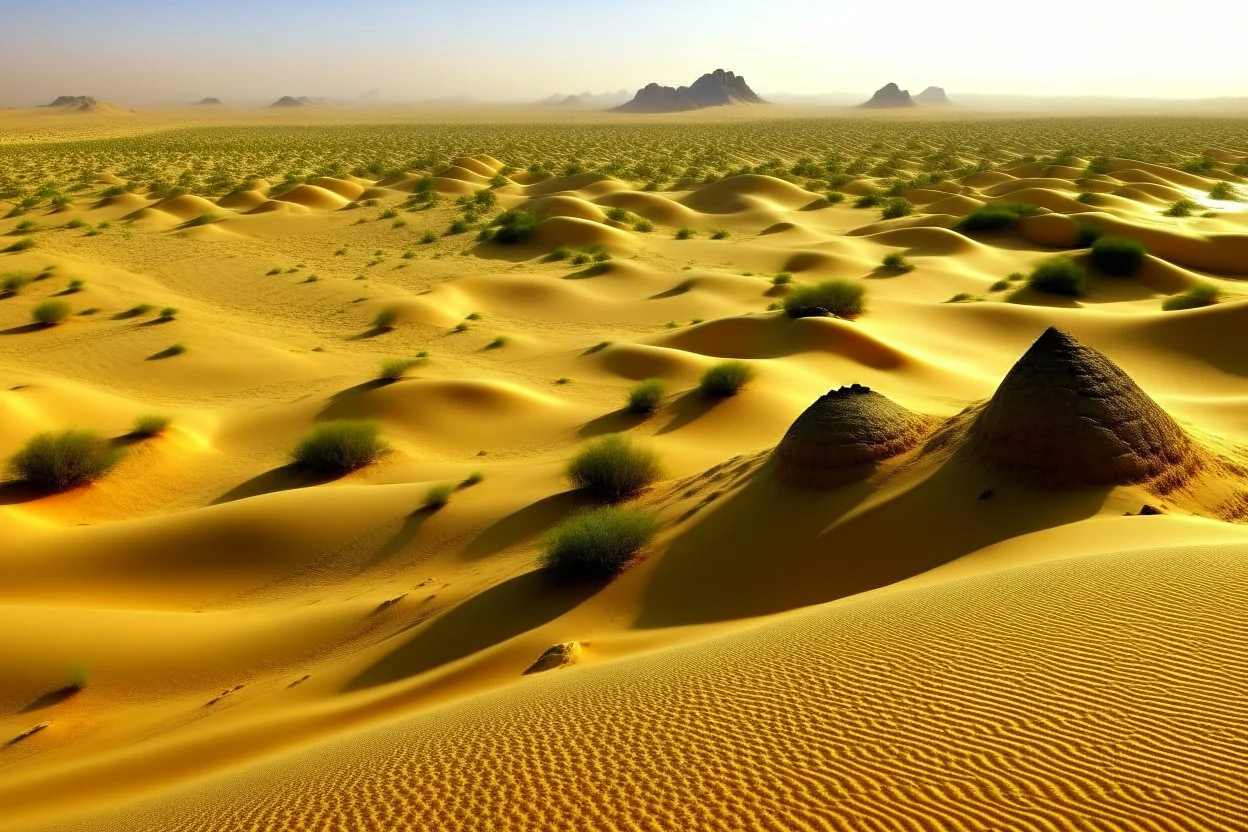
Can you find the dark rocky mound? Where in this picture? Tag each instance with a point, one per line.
(210, 100)
(292, 101)
(1066, 416)
(714, 89)
(75, 102)
(889, 95)
(559, 655)
(843, 433)
(933, 96)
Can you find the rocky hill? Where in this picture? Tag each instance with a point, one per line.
(715, 89)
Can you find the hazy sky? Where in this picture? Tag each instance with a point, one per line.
(147, 51)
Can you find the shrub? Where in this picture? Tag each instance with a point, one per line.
(613, 468)
(167, 314)
(386, 318)
(14, 283)
(643, 226)
(1182, 208)
(617, 214)
(719, 234)
(499, 341)
(337, 448)
(203, 219)
(459, 225)
(149, 425)
(961, 297)
(782, 279)
(995, 217)
(725, 379)
(428, 237)
(1059, 276)
(559, 253)
(514, 226)
(393, 369)
(897, 207)
(999, 286)
(835, 197)
(645, 396)
(1194, 298)
(22, 245)
(1117, 255)
(75, 285)
(831, 297)
(439, 495)
(598, 543)
(472, 479)
(871, 199)
(59, 461)
(893, 260)
(602, 256)
(1225, 192)
(51, 312)
(685, 233)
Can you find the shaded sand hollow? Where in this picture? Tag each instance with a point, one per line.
(973, 559)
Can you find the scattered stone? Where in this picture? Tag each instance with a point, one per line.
(559, 655)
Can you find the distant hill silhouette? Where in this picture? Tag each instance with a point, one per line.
(292, 101)
(933, 95)
(714, 89)
(209, 100)
(83, 104)
(889, 96)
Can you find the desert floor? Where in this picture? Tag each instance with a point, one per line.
(208, 639)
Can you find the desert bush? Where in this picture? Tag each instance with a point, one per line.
(167, 314)
(897, 207)
(613, 468)
(75, 285)
(1225, 192)
(24, 244)
(896, 262)
(782, 279)
(724, 379)
(439, 495)
(871, 199)
(598, 543)
(339, 447)
(386, 318)
(841, 298)
(14, 283)
(618, 214)
(643, 226)
(1202, 295)
(644, 397)
(995, 217)
(1117, 255)
(393, 369)
(59, 461)
(50, 312)
(514, 226)
(497, 342)
(149, 425)
(685, 233)
(1059, 276)
(1183, 208)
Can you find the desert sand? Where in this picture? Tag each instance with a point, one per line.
(934, 605)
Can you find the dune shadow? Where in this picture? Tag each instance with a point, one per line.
(1025, 296)
(284, 478)
(373, 332)
(505, 253)
(596, 270)
(167, 352)
(772, 547)
(19, 491)
(490, 617)
(51, 698)
(400, 540)
(617, 421)
(525, 524)
(342, 405)
(24, 329)
(688, 408)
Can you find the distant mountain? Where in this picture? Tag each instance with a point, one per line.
(84, 104)
(209, 101)
(714, 89)
(291, 101)
(889, 96)
(933, 95)
(586, 100)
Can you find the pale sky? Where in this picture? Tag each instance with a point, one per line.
(156, 51)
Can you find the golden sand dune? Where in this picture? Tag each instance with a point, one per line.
(946, 526)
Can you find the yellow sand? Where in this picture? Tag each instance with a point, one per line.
(263, 652)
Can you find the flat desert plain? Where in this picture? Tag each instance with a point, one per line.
(929, 435)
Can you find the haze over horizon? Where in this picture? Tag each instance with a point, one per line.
(146, 52)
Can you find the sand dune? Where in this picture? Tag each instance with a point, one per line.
(971, 556)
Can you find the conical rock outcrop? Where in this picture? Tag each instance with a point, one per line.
(1065, 416)
(846, 429)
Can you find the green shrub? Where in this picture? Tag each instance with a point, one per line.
(1183, 208)
(167, 314)
(440, 494)
(51, 312)
(14, 283)
(996, 217)
(1059, 276)
(75, 285)
(598, 543)
(645, 396)
(58, 461)
(23, 244)
(149, 425)
(618, 214)
(1225, 192)
(559, 253)
(961, 297)
(643, 226)
(685, 233)
(871, 199)
(896, 262)
(725, 379)
(472, 479)
(1194, 298)
(613, 468)
(1117, 255)
(897, 207)
(386, 319)
(719, 234)
(834, 197)
(497, 342)
(514, 226)
(830, 297)
(393, 369)
(337, 448)
(999, 286)
(782, 279)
